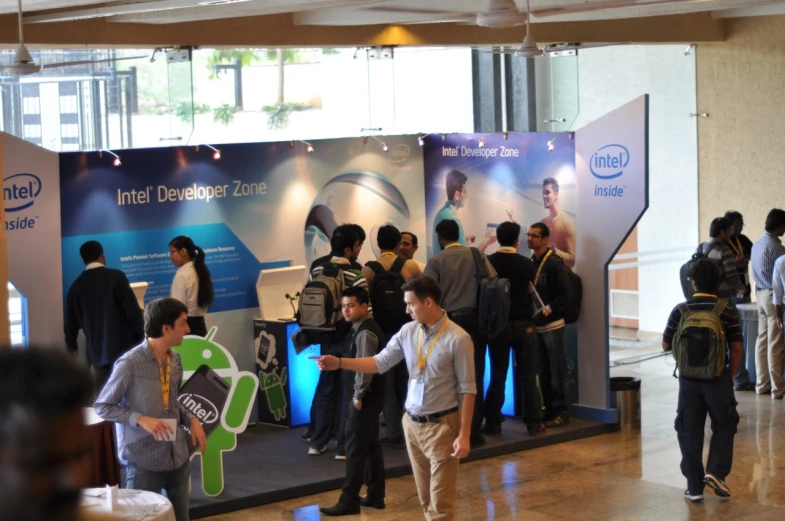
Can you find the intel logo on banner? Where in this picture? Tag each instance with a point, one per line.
(400, 153)
(200, 407)
(20, 191)
(609, 162)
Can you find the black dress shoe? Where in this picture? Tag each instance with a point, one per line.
(341, 509)
(535, 430)
(492, 428)
(476, 441)
(373, 503)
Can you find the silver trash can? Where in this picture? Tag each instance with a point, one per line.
(626, 397)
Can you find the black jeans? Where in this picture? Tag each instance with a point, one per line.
(344, 402)
(552, 368)
(470, 325)
(325, 400)
(101, 375)
(364, 458)
(197, 326)
(696, 399)
(397, 385)
(521, 338)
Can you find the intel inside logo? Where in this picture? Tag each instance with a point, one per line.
(200, 407)
(20, 191)
(609, 162)
(399, 154)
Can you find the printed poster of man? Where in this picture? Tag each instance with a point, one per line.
(481, 184)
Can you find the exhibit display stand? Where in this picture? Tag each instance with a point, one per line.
(287, 380)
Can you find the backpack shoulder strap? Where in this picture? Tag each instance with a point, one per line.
(330, 270)
(375, 266)
(719, 307)
(480, 269)
(683, 308)
(397, 265)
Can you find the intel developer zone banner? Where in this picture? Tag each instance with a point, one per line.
(262, 205)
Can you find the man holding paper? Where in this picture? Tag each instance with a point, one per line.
(141, 397)
(440, 401)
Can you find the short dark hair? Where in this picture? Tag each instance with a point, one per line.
(543, 228)
(507, 233)
(91, 251)
(162, 312)
(719, 225)
(551, 181)
(706, 275)
(359, 293)
(733, 215)
(414, 237)
(454, 182)
(358, 230)
(342, 239)
(775, 219)
(45, 381)
(424, 287)
(388, 237)
(448, 230)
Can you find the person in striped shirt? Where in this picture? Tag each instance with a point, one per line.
(699, 397)
(345, 245)
(769, 347)
(717, 250)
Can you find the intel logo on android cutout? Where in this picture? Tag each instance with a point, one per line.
(609, 162)
(20, 191)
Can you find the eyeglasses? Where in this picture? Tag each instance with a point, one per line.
(533, 236)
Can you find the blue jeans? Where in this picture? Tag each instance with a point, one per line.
(174, 484)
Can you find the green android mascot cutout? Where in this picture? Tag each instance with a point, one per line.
(273, 386)
(195, 352)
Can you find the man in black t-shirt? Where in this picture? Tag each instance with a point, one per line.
(697, 397)
(520, 336)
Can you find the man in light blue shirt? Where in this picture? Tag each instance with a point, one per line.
(456, 198)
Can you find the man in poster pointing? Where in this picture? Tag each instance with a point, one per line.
(440, 401)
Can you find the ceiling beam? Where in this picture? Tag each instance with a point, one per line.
(280, 31)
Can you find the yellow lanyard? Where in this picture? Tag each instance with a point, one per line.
(736, 249)
(542, 263)
(703, 295)
(422, 359)
(165, 380)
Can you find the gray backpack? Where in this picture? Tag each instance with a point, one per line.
(320, 301)
(699, 343)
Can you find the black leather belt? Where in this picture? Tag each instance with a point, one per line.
(432, 418)
(462, 312)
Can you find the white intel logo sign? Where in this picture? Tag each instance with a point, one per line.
(20, 192)
(609, 163)
(200, 407)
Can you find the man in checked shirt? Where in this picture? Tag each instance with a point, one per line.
(141, 397)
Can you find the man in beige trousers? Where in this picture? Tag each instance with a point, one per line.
(440, 401)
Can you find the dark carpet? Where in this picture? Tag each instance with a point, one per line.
(272, 464)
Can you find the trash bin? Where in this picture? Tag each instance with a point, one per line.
(626, 397)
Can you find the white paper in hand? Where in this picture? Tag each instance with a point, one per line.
(172, 423)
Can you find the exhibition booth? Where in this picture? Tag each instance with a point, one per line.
(262, 212)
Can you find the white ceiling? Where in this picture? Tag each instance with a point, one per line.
(364, 12)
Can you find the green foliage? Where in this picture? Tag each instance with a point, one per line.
(278, 114)
(183, 110)
(220, 56)
(224, 114)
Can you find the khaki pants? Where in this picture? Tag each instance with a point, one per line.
(435, 470)
(769, 347)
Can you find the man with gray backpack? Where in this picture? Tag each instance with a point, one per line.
(706, 339)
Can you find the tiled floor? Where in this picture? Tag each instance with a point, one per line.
(614, 477)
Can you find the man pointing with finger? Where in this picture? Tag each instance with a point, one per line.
(440, 402)
(141, 397)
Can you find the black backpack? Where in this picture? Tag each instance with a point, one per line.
(386, 292)
(684, 271)
(493, 299)
(572, 309)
